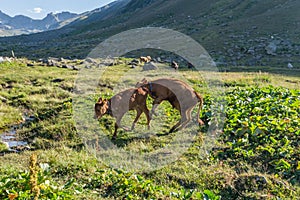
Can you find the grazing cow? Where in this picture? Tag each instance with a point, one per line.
(180, 95)
(118, 105)
(174, 65)
(145, 59)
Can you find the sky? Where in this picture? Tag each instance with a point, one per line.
(38, 9)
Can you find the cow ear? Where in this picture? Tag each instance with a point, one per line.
(144, 81)
(100, 100)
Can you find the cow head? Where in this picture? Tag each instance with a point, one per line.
(101, 108)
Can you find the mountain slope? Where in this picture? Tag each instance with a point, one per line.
(234, 32)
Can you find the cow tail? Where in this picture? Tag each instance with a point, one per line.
(200, 98)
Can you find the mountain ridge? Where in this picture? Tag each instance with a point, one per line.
(21, 24)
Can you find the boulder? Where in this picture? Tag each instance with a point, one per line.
(57, 80)
(251, 51)
(30, 64)
(290, 66)
(90, 60)
(3, 99)
(149, 66)
(271, 48)
(5, 59)
(134, 62)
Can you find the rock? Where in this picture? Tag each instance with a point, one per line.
(72, 67)
(57, 80)
(51, 62)
(75, 68)
(290, 66)
(30, 65)
(271, 48)
(5, 59)
(66, 66)
(149, 66)
(53, 58)
(20, 148)
(230, 53)
(134, 62)
(168, 60)
(90, 60)
(3, 99)
(112, 64)
(251, 51)
(61, 60)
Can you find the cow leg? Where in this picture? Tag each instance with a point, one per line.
(175, 127)
(186, 118)
(115, 133)
(138, 114)
(153, 110)
(156, 102)
(119, 122)
(146, 111)
(117, 125)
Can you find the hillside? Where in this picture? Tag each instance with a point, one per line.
(234, 32)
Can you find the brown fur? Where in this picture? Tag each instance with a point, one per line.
(118, 105)
(180, 95)
(145, 59)
(174, 65)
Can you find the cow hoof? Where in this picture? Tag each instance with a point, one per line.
(127, 128)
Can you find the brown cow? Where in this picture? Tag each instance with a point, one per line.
(174, 65)
(180, 95)
(145, 59)
(118, 105)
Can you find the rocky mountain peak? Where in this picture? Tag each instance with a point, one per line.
(21, 24)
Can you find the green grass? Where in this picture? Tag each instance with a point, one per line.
(244, 164)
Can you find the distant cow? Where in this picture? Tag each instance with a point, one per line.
(118, 105)
(174, 65)
(145, 59)
(180, 95)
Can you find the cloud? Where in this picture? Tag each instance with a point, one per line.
(37, 10)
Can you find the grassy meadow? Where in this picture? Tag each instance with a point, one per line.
(256, 154)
